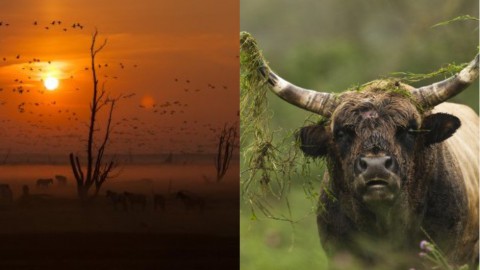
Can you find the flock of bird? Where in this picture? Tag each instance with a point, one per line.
(59, 24)
(51, 25)
(44, 123)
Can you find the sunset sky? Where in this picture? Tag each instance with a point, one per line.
(177, 60)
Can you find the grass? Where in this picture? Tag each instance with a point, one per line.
(267, 243)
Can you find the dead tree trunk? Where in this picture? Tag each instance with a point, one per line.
(97, 170)
(226, 144)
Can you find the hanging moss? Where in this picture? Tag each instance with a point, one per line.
(271, 158)
(447, 71)
(389, 85)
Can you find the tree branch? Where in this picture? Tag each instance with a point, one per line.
(79, 168)
(74, 169)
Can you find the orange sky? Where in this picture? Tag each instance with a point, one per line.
(178, 57)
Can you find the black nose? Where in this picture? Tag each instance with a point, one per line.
(376, 166)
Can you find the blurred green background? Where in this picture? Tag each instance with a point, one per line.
(331, 45)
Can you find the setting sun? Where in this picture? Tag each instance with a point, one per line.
(51, 83)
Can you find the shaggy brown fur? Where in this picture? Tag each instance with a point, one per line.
(433, 178)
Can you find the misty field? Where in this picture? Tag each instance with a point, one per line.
(57, 231)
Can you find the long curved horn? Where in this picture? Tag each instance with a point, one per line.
(434, 94)
(310, 100)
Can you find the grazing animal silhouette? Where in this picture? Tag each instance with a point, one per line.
(62, 180)
(158, 201)
(6, 194)
(117, 199)
(28, 199)
(191, 201)
(136, 199)
(44, 182)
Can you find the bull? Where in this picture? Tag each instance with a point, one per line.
(402, 166)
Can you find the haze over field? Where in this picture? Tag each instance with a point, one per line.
(169, 69)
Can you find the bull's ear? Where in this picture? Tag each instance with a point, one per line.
(313, 140)
(440, 126)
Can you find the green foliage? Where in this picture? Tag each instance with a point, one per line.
(259, 152)
(448, 70)
(270, 157)
(391, 85)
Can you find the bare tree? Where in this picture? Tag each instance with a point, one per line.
(97, 170)
(226, 144)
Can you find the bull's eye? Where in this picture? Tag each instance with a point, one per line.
(343, 137)
(407, 135)
(410, 130)
(404, 131)
(344, 133)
